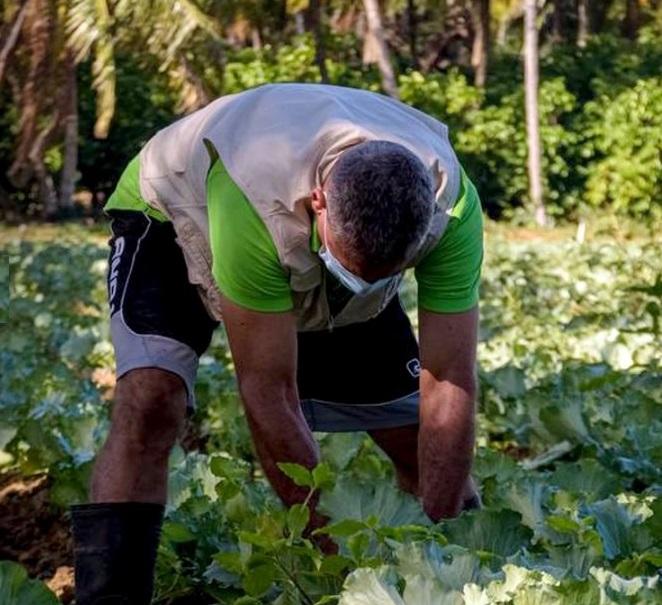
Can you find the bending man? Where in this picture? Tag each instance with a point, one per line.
(290, 212)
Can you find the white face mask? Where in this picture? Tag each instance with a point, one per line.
(352, 282)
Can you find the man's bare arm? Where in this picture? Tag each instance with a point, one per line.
(264, 349)
(448, 393)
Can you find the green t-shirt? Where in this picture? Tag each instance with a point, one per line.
(245, 260)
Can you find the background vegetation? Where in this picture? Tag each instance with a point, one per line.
(84, 83)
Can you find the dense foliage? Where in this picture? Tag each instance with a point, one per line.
(600, 102)
(568, 455)
(593, 118)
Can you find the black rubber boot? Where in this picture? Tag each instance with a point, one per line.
(115, 552)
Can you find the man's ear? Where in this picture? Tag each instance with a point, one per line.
(318, 200)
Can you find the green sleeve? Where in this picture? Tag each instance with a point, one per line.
(127, 193)
(245, 260)
(448, 277)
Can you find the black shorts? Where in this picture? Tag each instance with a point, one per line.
(358, 377)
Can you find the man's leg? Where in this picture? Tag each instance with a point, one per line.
(159, 328)
(117, 534)
(148, 416)
(400, 444)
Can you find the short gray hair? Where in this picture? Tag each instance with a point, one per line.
(381, 200)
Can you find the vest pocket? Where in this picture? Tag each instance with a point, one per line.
(199, 265)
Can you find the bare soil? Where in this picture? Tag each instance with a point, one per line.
(35, 533)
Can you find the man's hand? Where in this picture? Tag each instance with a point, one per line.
(263, 347)
(323, 541)
(448, 392)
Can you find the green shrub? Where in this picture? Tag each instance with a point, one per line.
(624, 139)
(248, 68)
(494, 148)
(449, 96)
(295, 62)
(606, 66)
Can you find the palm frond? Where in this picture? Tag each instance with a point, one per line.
(82, 27)
(103, 70)
(201, 19)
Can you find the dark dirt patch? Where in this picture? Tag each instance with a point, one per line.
(517, 452)
(35, 533)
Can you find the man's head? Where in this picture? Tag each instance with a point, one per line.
(378, 202)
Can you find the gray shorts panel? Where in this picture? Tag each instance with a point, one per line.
(330, 417)
(135, 351)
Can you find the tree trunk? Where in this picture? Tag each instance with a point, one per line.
(9, 42)
(376, 33)
(481, 43)
(412, 31)
(256, 39)
(598, 15)
(70, 123)
(631, 23)
(316, 26)
(47, 193)
(583, 22)
(193, 93)
(532, 120)
(37, 28)
(299, 23)
(559, 20)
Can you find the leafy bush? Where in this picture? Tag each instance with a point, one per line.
(449, 97)
(295, 62)
(491, 139)
(624, 139)
(248, 68)
(607, 65)
(600, 131)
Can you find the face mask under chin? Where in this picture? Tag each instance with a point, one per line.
(349, 280)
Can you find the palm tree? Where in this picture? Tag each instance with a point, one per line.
(375, 35)
(632, 16)
(29, 51)
(481, 43)
(15, 16)
(43, 43)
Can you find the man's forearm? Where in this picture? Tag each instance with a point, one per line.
(281, 434)
(446, 441)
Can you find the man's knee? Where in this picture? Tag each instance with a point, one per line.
(149, 408)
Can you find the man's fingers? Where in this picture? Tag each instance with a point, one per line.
(325, 544)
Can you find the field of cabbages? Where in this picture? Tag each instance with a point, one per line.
(568, 461)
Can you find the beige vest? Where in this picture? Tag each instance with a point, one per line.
(278, 142)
